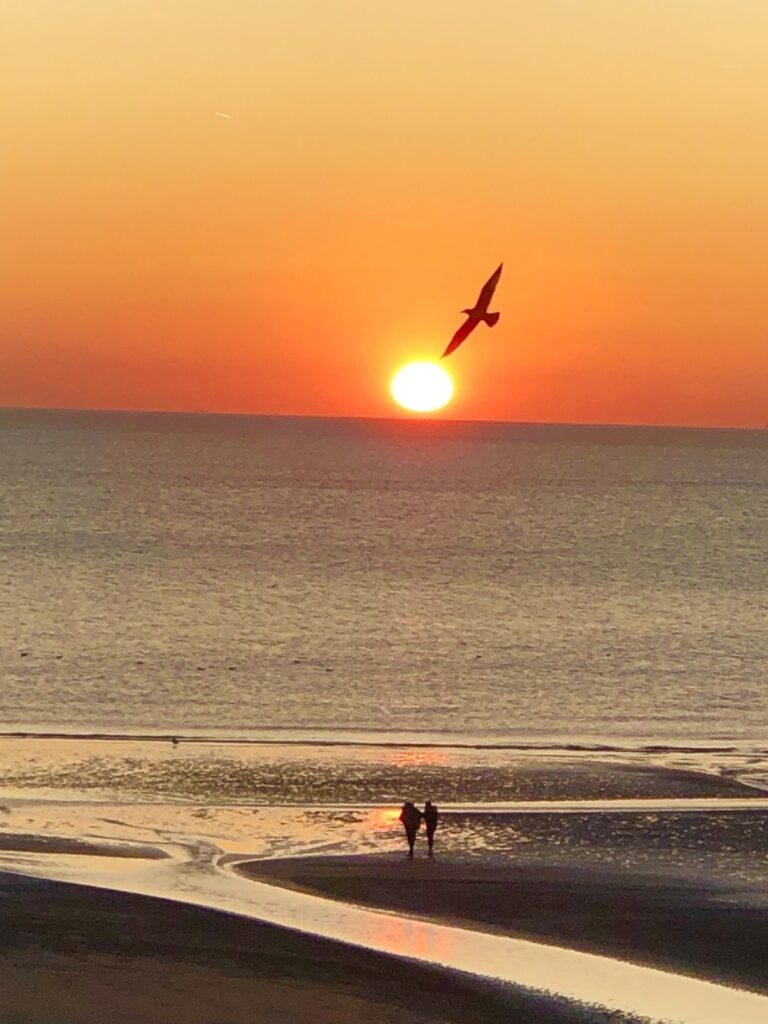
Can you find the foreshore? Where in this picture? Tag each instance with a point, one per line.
(629, 876)
(83, 955)
(684, 922)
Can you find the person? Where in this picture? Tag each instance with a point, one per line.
(430, 820)
(410, 816)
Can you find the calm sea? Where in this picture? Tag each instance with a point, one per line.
(337, 579)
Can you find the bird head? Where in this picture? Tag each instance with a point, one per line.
(467, 311)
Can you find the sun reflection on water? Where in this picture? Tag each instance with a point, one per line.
(386, 817)
(413, 758)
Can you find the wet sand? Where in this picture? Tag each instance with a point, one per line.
(687, 891)
(123, 770)
(68, 845)
(696, 924)
(82, 955)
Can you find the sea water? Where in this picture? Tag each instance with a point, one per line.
(333, 580)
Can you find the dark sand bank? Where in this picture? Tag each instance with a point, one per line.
(694, 924)
(77, 955)
(68, 845)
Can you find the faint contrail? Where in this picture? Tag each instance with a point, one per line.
(220, 113)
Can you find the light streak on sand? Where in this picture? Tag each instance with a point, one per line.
(198, 875)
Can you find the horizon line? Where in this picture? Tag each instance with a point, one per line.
(377, 419)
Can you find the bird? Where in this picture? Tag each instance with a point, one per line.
(478, 313)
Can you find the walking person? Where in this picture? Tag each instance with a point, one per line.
(410, 816)
(430, 820)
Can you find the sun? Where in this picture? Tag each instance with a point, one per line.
(422, 387)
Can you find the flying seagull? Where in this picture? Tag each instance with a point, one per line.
(480, 312)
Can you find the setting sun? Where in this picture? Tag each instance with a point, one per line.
(422, 387)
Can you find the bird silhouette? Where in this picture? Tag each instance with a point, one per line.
(477, 314)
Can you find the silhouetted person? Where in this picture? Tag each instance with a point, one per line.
(410, 816)
(479, 313)
(430, 820)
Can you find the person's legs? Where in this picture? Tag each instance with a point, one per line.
(411, 833)
(430, 839)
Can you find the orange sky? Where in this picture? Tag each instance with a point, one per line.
(379, 160)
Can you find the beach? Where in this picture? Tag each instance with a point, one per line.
(662, 867)
(681, 890)
(685, 925)
(80, 955)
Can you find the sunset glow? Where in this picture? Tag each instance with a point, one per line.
(422, 387)
(246, 207)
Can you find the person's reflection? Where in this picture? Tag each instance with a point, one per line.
(430, 820)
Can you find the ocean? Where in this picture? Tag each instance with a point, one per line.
(231, 646)
(385, 581)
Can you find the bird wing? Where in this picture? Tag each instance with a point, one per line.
(463, 332)
(488, 289)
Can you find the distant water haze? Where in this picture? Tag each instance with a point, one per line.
(243, 576)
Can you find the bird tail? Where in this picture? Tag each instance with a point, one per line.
(491, 318)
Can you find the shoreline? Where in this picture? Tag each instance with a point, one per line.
(566, 748)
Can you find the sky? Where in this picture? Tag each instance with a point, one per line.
(375, 164)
